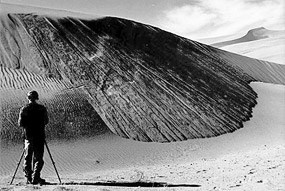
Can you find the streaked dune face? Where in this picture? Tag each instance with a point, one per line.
(144, 83)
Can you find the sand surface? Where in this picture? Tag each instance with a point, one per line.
(252, 158)
(259, 43)
(269, 49)
(14, 8)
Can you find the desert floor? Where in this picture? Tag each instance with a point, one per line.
(252, 158)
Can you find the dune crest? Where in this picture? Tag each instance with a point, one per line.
(146, 84)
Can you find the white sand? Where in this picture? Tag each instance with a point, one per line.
(252, 158)
(269, 49)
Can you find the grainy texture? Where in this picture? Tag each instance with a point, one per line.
(146, 84)
(71, 116)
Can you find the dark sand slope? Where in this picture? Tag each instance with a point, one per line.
(146, 84)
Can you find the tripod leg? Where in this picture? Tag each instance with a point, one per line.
(17, 166)
(52, 162)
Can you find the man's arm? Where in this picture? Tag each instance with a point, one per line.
(21, 120)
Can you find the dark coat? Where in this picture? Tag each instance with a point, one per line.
(33, 118)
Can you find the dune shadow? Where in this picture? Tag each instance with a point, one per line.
(132, 184)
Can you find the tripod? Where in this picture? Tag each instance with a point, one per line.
(50, 158)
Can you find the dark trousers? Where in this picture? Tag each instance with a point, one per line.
(34, 152)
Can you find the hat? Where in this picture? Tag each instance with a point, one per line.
(33, 95)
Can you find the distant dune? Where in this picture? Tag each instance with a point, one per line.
(252, 35)
(258, 43)
(146, 84)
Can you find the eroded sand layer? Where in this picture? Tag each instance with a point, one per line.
(141, 91)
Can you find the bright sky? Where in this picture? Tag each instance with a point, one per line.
(194, 19)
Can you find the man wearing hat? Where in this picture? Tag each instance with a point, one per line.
(33, 118)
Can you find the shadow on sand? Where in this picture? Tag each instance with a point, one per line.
(132, 184)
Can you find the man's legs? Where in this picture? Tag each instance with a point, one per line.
(38, 161)
(28, 160)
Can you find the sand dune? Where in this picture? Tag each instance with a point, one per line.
(14, 8)
(146, 84)
(269, 49)
(252, 35)
(249, 159)
(258, 43)
(139, 90)
(260, 70)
